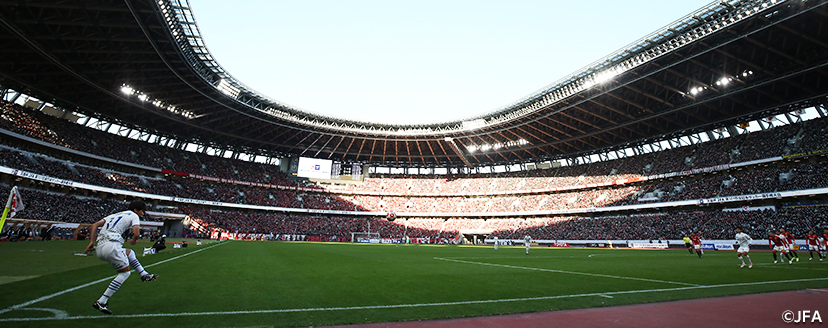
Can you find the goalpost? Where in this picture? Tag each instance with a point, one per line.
(356, 236)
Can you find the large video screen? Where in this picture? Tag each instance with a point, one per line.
(346, 171)
(314, 168)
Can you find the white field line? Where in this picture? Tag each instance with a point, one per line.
(550, 257)
(398, 306)
(787, 266)
(567, 272)
(25, 304)
(819, 290)
(636, 255)
(513, 257)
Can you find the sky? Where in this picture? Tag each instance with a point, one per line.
(418, 62)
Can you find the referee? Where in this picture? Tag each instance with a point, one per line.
(687, 243)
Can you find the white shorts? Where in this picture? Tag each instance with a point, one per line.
(743, 249)
(697, 247)
(114, 253)
(813, 247)
(782, 249)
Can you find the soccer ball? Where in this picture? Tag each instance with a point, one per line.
(391, 216)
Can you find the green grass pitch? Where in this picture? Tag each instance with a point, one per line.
(254, 284)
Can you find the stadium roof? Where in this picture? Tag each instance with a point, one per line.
(143, 64)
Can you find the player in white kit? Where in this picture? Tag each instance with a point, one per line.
(743, 240)
(111, 248)
(527, 241)
(496, 242)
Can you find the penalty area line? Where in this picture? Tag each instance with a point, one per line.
(568, 272)
(43, 298)
(399, 306)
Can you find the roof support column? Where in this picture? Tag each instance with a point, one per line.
(459, 152)
(821, 109)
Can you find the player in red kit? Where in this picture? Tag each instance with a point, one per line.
(778, 245)
(824, 244)
(813, 244)
(789, 239)
(696, 243)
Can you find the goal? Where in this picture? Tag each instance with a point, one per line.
(363, 237)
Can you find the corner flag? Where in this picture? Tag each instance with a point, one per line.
(13, 205)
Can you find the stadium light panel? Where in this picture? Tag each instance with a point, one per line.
(126, 90)
(723, 81)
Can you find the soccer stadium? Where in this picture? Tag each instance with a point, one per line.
(569, 206)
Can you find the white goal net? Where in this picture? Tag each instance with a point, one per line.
(364, 237)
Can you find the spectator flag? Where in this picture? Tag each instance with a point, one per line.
(13, 205)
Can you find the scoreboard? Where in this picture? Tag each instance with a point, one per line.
(346, 171)
(325, 170)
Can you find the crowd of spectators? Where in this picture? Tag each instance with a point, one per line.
(761, 144)
(712, 224)
(673, 225)
(339, 227)
(787, 175)
(424, 194)
(53, 206)
(63, 133)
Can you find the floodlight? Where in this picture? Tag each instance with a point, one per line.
(142, 97)
(126, 90)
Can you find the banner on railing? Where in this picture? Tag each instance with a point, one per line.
(649, 245)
